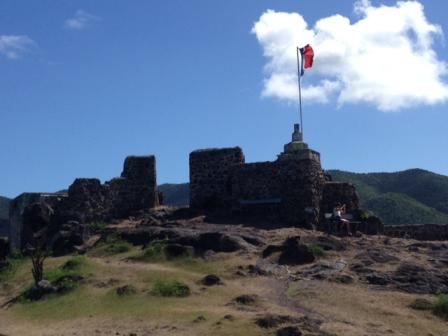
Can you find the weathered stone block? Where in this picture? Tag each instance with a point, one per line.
(210, 177)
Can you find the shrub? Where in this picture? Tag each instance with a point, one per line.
(154, 252)
(421, 304)
(440, 308)
(97, 226)
(116, 245)
(74, 263)
(317, 250)
(170, 288)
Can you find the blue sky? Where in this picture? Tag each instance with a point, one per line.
(83, 84)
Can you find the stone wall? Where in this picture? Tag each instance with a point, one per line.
(339, 192)
(419, 232)
(137, 188)
(210, 177)
(18, 206)
(87, 201)
(279, 190)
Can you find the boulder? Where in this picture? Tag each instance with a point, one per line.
(126, 290)
(294, 253)
(211, 280)
(289, 331)
(176, 250)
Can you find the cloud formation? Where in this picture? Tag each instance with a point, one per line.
(14, 46)
(80, 21)
(385, 58)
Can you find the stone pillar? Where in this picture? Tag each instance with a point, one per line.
(210, 177)
(136, 190)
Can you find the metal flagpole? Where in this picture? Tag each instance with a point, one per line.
(300, 90)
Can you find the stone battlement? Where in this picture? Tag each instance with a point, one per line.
(284, 190)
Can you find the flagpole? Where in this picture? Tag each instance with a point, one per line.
(300, 91)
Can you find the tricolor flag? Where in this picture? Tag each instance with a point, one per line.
(307, 56)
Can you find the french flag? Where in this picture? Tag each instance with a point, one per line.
(307, 58)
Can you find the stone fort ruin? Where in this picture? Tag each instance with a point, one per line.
(292, 190)
(287, 190)
(86, 201)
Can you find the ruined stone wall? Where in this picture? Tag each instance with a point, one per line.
(18, 206)
(419, 232)
(210, 177)
(87, 201)
(137, 188)
(256, 191)
(283, 189)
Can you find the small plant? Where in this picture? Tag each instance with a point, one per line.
(317, 250)
(38, 256)
(440, 308)
(170, 288)
(115, 245)
(154, 252)
(97, 226)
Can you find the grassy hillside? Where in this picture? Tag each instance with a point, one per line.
(407, 197)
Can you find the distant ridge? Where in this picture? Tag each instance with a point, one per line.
(413, 196)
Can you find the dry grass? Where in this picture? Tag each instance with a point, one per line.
(357, 310)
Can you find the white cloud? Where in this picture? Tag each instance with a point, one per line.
(14, 46)
(385, 58)
(80, 21)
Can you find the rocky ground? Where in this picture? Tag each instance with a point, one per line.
(232, 280)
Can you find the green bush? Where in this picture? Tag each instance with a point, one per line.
(440, 308)
(118, 247)
(115, 245)
(97, 226)
(75, 263)
(66, 276)
(317, 250)
(170, 288)
(154, 252)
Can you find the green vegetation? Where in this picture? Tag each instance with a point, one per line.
(113, 244)
(11, 266)
(441, 307)
(170, 288)
(97, 226)
(412, 196)
(317, 251)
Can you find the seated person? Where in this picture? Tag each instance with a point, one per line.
(338, 211)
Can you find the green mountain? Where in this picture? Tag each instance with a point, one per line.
(408, 197)
(175, 194)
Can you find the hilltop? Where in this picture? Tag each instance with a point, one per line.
(204, 278)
